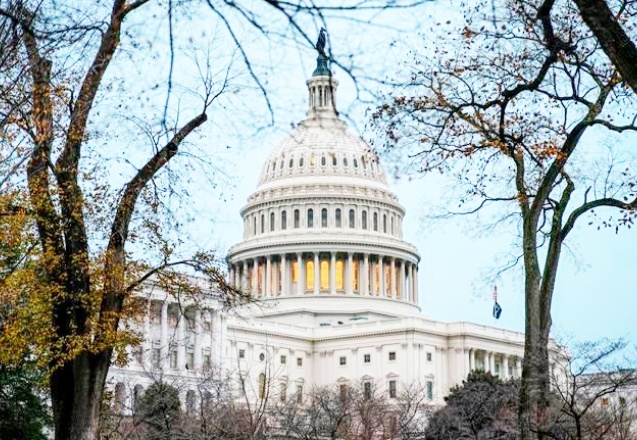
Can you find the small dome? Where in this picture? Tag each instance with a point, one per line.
(322, 148)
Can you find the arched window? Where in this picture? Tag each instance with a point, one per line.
(364, 162)
(340, 275)
(325, 275)
(301, 162)
(291, 163)
(262, 386)
(262, 223)
(311, 160)
(310, 218)
(323, 161)
(334, 162)
(297, 219)
(392, 225)
(254, 225)
(284, 219)
(344, 161)
(364, 220)
(281, 166)
(337, 217)
(385, 223)
(355, 163)
(273, 167)
(324, 218)
(271, 221)
(375, 221)
(352, 218)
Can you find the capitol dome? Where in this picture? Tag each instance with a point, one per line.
(322, 225)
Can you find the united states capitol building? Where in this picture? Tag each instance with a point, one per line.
(336, 281)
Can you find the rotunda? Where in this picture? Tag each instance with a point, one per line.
(322, 225)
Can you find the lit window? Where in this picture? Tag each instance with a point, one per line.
(352, 218)
(309, 274)
(295, 272)
(284, 220)
(283, 359)
(392, 355)
(340, 274)
(355, 275)
(367, 358)
(310, 218)
(297, 219)
(342, 360)
(325, 275)
(337, 217)
(364, 220)
(271, 221)
(312, 160)
(392, 389)
(324, 218)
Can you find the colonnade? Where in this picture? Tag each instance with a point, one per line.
(498, 364)
(314, 273)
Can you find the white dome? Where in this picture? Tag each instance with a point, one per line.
(322, 147)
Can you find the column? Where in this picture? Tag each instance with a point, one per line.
(518, 366)
(285, 279)
(333, 273)
(255, 277)
(267, 290)
(244, 276)
(383, 281)
(492, 368)
(505, 366)
(198, 329)
(164, 333)
(147, 344)
(410, 281)
(416, 283)
(393, 278)
(349, 289)
(231, 275)
(472, 359)
(264, 274)
(401, 280)
(300, 286)
(181, 340)
(372, 278)
(317, 274)
(364, 279)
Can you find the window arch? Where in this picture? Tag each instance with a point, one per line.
(364, 220)
(284, 219)
(271, 221)
(352, 218)
(337, 217)
(324, 218)
(375, 221)
(297, 219)
(262, 223)
(310, 218)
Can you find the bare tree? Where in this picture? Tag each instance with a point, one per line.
(509, 109)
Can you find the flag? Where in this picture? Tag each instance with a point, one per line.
(497, 310)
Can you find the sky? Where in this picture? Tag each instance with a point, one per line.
(594, 296)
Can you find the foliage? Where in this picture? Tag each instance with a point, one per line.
(160, 411)
(23, 411)
(513, 108)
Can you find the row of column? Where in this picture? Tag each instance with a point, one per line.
(180, 340)
(303, 273)
(489, 362)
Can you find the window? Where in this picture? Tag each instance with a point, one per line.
(392, 355)
(342, 360)
(283, 392)
(254, 226)
(299, 362)
(355, 163)
(262, 357)
(364, 220)
(385, 223)
(190, 402)
(310, 218)
(430, 390)
(138, 354)
(190, 360)
(352, 218)
(325, 275)
(428, 357)
(337, 217)
(392, 389)
(173, 359)
(291, 163)
(309, 275)
(262, 223)
(324, 218)
(323, 161)
(271, 221)
(156, 357)
(375, 221)
(283, 359)
(284, 220)
(301, 162)
(334, 160)
(497, 368)
(340, 275)
(207, 326)
(262, 386)
(207, 363)
(242, 354)
(391, 230)
(299, 393)
(367, 358)
(345, 162)
(342, 391)
(297, 219)
(367, 390)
